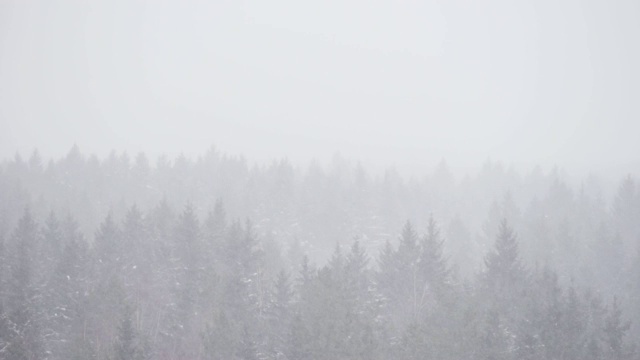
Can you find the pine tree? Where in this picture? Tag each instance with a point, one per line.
(433, 270)
(503, 289)
(357, 279)
(186, 275)
(360, 299)
(504, 270)
(398, 277)
(408, 248)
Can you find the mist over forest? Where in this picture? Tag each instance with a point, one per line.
(319, 180)
(216, 257)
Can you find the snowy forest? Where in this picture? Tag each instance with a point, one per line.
(217, 258)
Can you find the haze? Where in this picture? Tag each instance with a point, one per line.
(410, 83)
(326, 180)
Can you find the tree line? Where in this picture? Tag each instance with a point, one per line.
(120, 259)
(166, 285)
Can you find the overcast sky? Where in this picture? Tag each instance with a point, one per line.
(389, 81)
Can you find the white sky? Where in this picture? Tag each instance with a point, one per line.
(387, 81)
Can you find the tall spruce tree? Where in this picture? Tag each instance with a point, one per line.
(433, 270)
(504, 270)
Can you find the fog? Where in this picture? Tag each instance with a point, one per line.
(406, 83)
(287, 180)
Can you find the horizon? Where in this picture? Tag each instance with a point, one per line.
(413, 84)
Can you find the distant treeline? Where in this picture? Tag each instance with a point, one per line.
(113, 259)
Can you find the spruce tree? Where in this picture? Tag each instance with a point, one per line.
(504, 270)
(433, 271)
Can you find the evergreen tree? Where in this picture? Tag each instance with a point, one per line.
(185, 272)
(434, 273)
(398, 278)
(408, 251)
(504, 271)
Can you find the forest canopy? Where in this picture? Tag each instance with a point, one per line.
(216, 258)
